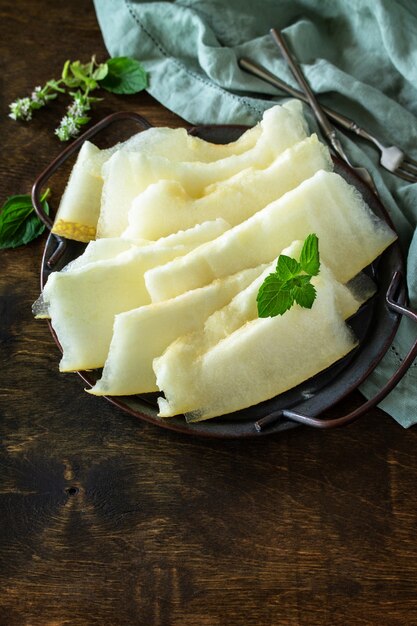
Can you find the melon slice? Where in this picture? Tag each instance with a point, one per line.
(79, 208)
(243, 307)
(127, 174)
(104, 249)
(83, 301)
(165, 207)
(176, 144)
(142, 334)
(261, 359)
(350, 236)
(77, 214)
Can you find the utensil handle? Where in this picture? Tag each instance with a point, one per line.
(296, 70)
(325, 424)
(328, 129)
(264, 74)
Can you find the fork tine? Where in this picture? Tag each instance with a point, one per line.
(407, 159)
(408, 166)
(405, 175)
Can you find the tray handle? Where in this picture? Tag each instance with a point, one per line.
(317, 422)
(43, 178)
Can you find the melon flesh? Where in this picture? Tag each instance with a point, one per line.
(165, 207)
(105, 249)
(78, 211)
(127, 174)
(142, 334)
(102, 249)
(83, 301)
(79, 208)
(261, 359)
(350, 236)
(243, 307)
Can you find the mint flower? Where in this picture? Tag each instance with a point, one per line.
(21, 109)
(67, 128)
(75, 117)
(119, 75)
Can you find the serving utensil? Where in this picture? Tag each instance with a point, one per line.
(391, 158)
(327, 128)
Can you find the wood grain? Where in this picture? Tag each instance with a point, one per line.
(110, 521)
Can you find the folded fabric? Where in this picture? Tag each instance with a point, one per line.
(361, 59)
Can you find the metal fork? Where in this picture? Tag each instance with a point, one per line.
(327, 128)
(391, 158)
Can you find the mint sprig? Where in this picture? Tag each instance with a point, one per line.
(121, 75)
(290, 283)
(19, 223)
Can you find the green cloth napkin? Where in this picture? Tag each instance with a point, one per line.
(361, 57)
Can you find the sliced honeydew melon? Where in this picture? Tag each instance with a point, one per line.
(142, 334)
(79, 208)
(261, 359)
(165, 207)
(83, 301)
(127, 174)
(350, 237)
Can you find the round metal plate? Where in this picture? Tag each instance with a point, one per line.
(374, 325)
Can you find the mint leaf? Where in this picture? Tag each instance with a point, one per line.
(287, 267)
(19, 223)
(309, 257)
(274, 298)
(304, 296)
(124, 76)
(101, 72)
(290, 283)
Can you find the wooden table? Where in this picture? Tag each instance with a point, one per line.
(111, 521)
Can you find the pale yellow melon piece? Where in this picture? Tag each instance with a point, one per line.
(110, 249)
(79, 208)
(82, 302)
(98, 250)
(142, 334)
(77, 214)
(164, 207)
(243, 307)
(260, 360)
(350, 237)
(175, 144)
(127, 174)
(102, 249)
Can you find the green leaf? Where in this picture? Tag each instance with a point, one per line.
(101, 72)
(65, 70)
(274, 298)
(287, 267)
(19, 223)
(309, 257)
(125, 76)
(78, 70)
(304, 296)
(290, 282)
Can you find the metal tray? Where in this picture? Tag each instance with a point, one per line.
(375, 324)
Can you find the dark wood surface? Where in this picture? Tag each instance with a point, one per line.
(108, 520)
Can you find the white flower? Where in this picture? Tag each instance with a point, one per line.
(68, 128)
(21, 109)
(38, 96)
